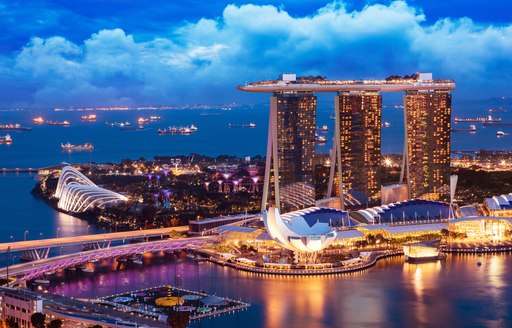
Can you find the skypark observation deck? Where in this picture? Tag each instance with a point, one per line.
(347, 85)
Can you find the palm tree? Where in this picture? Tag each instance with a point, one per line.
(38, 320)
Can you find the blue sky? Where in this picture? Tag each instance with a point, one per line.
(132, 52)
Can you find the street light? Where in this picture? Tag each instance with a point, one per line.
(88, 226)
(25, 235)
(58, 228)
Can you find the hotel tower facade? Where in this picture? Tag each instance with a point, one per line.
(427, 124)
(291, 150)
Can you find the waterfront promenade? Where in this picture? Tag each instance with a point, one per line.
(365, 264)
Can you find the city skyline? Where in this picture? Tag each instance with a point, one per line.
(179, 55)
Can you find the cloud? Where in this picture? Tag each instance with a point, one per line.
(201, 62)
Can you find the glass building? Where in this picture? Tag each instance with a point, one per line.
(296, 126)
(427, 120)
(360, 116)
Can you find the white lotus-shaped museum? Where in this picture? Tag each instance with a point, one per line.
(293, 232)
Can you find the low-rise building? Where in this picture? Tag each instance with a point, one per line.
(19, 305)
(483, 227)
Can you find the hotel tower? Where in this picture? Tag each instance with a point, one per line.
(356, 152)
(291, 150)
(427, 144)
(359, 116)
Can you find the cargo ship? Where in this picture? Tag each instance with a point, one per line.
(14, 127)
(488, 119)
(65, 123)
(89, 118)
(497, 124)
(38, 120)
(175, 130)
(118, 124)
(69, 147)
(250, 125)
(324, 128)
(472, 129)
(423, 251)
(6, 139)
(320, 140)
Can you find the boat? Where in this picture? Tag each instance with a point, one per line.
(497, 110)
(472, 129)
(89, 118)
(137, 262)
(501, 133)
(118, 124)
(194, 128)
(175, 130)
(191, 256)
(42, 281)
(386, 124)
(65, 123)
(13, 127)
(69, 146)
(324, 128)
(87, 270)
(496, 124)
(250, 125)
(320, 139)
(38, 120)
(142, 120)
(423, 251)
(6, 139)
(487, 119)
(130, 128)
(154, 118)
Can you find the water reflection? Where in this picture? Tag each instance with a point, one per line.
(392, 294)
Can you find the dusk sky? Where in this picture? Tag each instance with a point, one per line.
(132, 52)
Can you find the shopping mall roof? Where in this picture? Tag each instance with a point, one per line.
(400, 229)
(229, 228)
(347, 234)
(479, 218)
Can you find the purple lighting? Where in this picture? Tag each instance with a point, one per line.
(166, 172)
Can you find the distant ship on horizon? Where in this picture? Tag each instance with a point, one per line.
(68, 146)
(14, 127)
(250, 125)
(6, 139)
(487, 119)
